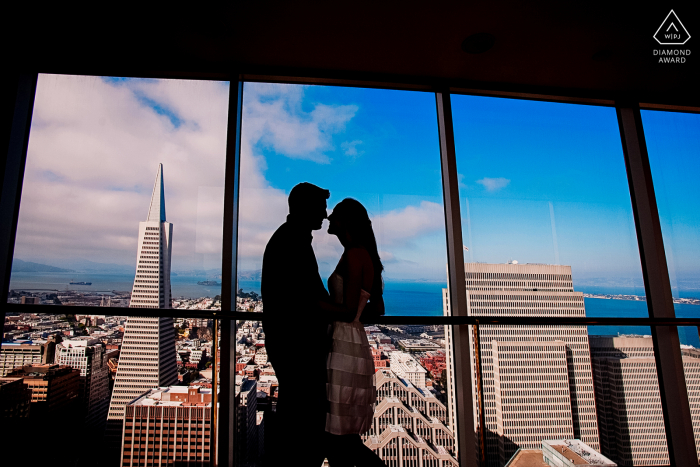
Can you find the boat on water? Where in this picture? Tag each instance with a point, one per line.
(73, 282)
(210, 283)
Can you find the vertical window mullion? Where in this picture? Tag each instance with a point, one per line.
(227, 414)
(14, 174)
(456, 284)
(667, 351)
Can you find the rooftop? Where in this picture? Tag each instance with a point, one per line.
(527, 458)
(576, 452)
(162, 397)
(569, 454)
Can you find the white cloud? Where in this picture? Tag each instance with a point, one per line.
(386, 256)
(460, 180)
(493, 184)
(401, 226)
(93, 153)
(350, 148)
(401, 235)
(273, 116)
(270, 111)
(95, 146)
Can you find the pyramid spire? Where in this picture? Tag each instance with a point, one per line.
(147, 361)
(156, 212)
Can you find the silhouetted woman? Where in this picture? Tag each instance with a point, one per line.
(350, 388)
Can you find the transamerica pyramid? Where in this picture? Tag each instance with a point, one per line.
(147, 359)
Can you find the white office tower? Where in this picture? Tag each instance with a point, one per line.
(450, 367)
(148, 358)
(152, 282)
(405, 366)
(632, 430)
(536, 380)
(409, 427)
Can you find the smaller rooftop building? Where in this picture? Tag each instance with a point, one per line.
(405, 366)
(560, 453)
(181, 417)
(173, 396)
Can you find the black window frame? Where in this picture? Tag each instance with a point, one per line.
(662, 319)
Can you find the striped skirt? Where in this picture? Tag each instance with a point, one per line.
(350, 385)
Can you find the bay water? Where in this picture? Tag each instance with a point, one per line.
(401, 298)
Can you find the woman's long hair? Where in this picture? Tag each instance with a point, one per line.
(353, 217)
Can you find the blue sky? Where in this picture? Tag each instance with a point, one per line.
(380, 148)
(546, 183)
(673, 143)
(539, 182)
(396, 147)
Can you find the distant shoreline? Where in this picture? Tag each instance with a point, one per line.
(640, 298)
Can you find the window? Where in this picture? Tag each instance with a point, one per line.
(549, 229)
(545, 184)
(121, 210)
(673, 156)
(379, 147)
(539, 183)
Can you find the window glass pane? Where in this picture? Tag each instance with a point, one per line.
(111, 382)
(546, 209)
(379, 147)
(674, 156)
(122, 206)
(119, 169)
(549, 231)
(412, 420)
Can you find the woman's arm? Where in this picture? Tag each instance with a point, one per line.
(360, 273)
(359, 277)
(337, 312)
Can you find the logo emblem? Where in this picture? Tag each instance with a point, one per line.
(671, 31)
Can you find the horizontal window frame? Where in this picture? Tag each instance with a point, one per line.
(393, 319)
(344, 78)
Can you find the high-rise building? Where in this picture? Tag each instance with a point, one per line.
(523, 366)
(450, 366)
(152, 282)
(15, 398)
(543, 408)
(630, 416)
(148, 358)
(13, 355)
(247, 435)
(409, 425)
(55, 389)
(168, 426)
(87, 355)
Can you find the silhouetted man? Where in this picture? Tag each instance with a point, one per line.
(296, 330)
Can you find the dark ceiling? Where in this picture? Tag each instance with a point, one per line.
(597, 50)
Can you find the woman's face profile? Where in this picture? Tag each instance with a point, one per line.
(335, 226)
